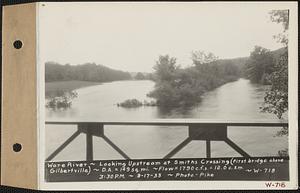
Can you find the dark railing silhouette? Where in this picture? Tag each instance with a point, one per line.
(207, 130)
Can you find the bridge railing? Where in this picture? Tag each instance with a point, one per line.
(206, 130)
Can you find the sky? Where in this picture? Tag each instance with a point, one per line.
(131, 36)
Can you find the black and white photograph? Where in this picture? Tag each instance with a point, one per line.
(166, 92)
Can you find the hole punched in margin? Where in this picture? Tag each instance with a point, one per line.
(18, 44)
(17, 147)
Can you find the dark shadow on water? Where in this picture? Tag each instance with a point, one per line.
(175, 112)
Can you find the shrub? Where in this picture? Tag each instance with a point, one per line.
(130, 103)
(63, 101)
(133, 103)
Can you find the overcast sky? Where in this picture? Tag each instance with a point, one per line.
(131, 36)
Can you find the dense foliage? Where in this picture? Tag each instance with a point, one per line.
(200, 57)
(62, 101)
(84, 72)
(133, 103)
(271, 68)
(259, 65)
(130, 103)
(281, 17)
(276, 99)
(176, 86)
(140, 76)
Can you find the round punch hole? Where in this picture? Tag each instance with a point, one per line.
(18, 44)
(17, 147)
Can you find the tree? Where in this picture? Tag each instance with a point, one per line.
(200, 57)
(165, 77)
(276, 99)
(165, 68)
(259, 65)
(281, 17)
(183, 87)
(174, 86)
(140, 76)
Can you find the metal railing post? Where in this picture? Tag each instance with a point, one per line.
(208, 149)
(89, 144)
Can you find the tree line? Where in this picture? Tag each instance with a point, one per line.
(176, 86)
(83, 72)
(143, 76)
(262, 63)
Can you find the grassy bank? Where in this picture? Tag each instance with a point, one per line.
(51, 88)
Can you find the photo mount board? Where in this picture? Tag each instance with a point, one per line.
(19, 98)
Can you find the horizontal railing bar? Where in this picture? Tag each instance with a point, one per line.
(179, 122)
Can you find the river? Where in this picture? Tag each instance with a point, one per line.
(239, 100)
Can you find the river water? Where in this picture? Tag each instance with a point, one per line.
(239, 100)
